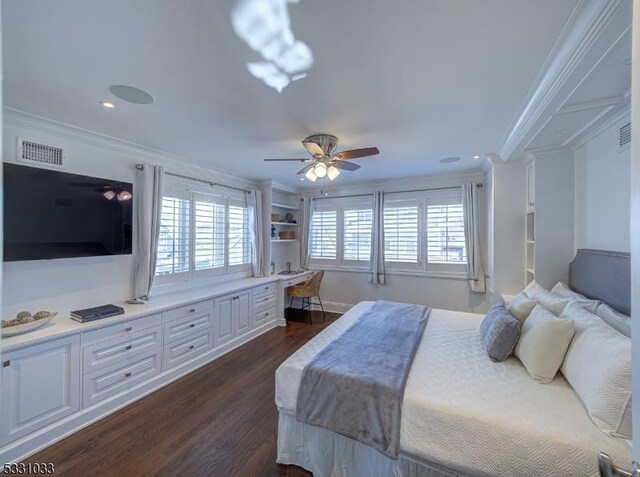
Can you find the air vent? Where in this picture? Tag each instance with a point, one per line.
(40, 154)
(624, 136)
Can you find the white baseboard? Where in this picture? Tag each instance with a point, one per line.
(24, 447)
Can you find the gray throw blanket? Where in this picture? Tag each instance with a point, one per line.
(355, 385)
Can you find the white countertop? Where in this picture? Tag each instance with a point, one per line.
(62, 325)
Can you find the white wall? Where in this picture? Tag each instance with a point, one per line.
(348, 287)
(602, 193)
(67, 284)
(507, 201)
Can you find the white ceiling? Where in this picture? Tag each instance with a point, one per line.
(420, 79)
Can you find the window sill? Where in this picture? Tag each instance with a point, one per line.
(163, 289)
(400, 273)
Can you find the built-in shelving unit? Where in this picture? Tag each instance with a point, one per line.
(530, 246)
(286, 252)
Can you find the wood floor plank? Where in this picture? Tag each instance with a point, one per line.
(220, 420)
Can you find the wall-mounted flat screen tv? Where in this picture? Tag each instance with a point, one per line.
(52, 214)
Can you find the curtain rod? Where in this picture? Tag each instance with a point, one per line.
(480, 185)
(204, 181)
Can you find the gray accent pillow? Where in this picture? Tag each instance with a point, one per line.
(499, 331)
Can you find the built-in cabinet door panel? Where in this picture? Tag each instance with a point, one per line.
(40, 385)
(223, 324)
(242, 313)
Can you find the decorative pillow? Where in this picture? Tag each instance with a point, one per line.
(598, 367)
(552, 303)
(617, 321)
(533, 290)
(499, 331)
(521, 306)
(562, 290)
(543, 343)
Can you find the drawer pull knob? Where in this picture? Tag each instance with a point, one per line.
(266, 288)
(192, 325)
(266, 314)
(6, 364)
(191, 347)
(192, 310)
(128, 329)
(127, 375)
(128, 348)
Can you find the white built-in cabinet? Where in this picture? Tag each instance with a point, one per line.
(90, 374)
(531, 186)
(40, 385)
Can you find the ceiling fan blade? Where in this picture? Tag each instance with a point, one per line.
(312, 148)
(356, 153)
(347, 166)
(298, 160)
(305, 169)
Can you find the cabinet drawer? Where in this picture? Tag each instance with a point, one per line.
(184, 350)
(264, 316)
(121, 329)
(189, 310)
(176, 329)
(264, 300)
(295, 281)
(118, 350)
(114, 379)
(265, 288)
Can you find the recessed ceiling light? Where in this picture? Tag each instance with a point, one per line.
(302, 178)
(448, 160)
(476, 156)
(131, 94)
(108, 104)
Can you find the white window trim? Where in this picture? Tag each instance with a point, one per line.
(197, 278)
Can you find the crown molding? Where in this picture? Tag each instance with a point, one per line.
(87, 137)
(587, 23)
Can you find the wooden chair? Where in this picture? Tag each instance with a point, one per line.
(307, 290)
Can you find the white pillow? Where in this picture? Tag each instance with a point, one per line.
(520, 307)
(543, 343)
(617, 321)
(553, 303)
(598, 367)
(533, 290)
(562, 290)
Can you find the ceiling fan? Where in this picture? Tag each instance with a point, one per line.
(326, 162)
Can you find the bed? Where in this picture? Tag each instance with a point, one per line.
(462, 414)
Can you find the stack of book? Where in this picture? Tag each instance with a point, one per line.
(96, 313)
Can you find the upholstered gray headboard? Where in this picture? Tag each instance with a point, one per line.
(603, 275)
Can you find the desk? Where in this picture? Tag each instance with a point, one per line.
(285, 281)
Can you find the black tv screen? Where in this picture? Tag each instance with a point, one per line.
(52, 214)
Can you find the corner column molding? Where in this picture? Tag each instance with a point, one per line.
(584, 28)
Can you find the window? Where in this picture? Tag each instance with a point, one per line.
(356, 234)
(425, 231)
(445, 234)
(341, 233)
(173, 243)
(323, 243)
(401, 230)
(202, 235)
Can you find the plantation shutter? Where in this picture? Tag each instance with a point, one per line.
(401, 231)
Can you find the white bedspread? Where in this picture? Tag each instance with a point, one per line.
(466, 412)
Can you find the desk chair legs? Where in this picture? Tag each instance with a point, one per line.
(308, 306)
(322, 307)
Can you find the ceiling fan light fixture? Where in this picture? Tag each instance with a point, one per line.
(333, 172)
(320, 169)
(109, 195)
(311, 175)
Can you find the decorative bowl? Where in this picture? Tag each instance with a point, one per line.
(26, 327)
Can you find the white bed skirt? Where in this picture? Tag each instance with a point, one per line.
(328, 454)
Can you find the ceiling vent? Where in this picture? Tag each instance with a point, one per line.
(624, 136)
(40, 154)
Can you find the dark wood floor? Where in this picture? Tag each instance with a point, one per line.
(220, 420)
